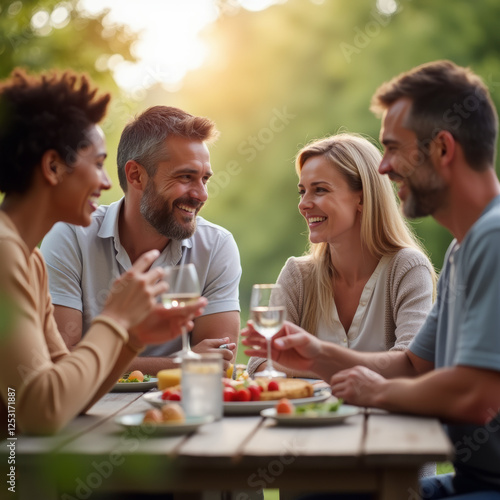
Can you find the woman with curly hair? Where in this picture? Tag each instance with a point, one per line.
(52, 170)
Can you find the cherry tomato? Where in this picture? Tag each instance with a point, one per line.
(285, 406)
(229, 393)
(243, 395)
(174, 396)
(254, 392)
(273, 386)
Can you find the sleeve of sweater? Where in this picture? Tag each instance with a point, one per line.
(52, 385)
(290, 279)
(411, 291)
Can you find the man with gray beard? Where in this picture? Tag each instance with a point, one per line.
(163, 169)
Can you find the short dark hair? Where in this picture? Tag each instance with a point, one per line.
(446, 97)
(143, 139)
(43, 112)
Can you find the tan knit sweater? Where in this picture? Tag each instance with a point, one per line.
(408, 298)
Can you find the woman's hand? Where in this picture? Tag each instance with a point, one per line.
(132, 303)
(162, 325)
(133, 294)
(292, 346)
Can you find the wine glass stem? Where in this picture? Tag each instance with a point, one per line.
(269, 359)
(185, 340)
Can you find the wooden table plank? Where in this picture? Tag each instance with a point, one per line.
(101, 411)
(405, 439)
(337, 443)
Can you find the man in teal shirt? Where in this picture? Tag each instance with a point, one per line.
(439, 131)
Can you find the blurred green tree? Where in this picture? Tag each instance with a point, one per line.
(41, 35)
(305, 69)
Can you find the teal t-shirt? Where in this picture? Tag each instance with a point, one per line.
(463, 328)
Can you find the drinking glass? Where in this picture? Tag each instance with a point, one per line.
(201, 385)
(267, 311)
(184, 288)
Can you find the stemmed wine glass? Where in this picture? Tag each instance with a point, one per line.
(184, 288)
(267, 311)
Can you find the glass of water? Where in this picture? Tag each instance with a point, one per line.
(201, 384)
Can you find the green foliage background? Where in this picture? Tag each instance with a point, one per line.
(314, 63)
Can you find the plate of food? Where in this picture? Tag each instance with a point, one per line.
(265, 393)
(290, 413)
(250, 397)
(256, 407)
(170, 420)
(135, 381)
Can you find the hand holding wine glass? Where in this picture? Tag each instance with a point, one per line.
(184, 289)
(267, 311)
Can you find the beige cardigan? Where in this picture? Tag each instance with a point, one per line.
(409, 293)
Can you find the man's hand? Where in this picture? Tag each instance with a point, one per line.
(358, 386)
(213, 345)
(292, 346)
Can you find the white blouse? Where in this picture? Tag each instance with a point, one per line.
(366, 332)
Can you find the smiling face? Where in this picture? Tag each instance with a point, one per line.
(331, 209)
(76, 196)
(175, 195)
(420, 188)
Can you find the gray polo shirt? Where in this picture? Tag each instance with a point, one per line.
(463, 328)
(83, 262)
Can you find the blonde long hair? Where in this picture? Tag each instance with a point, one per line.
(384, 231)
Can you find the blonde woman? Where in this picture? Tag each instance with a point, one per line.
(366, 282)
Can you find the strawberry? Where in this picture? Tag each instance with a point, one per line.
(166, 394)
(229, 394)
(243, 395)
(273, 386)
(254, 392)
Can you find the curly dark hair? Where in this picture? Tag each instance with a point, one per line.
(43, 112)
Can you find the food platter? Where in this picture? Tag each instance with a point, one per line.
(135, 386)
(244, 407)
(133, 422)
(255, 407)
(330, 418)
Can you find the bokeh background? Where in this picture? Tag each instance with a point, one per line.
(273, 75)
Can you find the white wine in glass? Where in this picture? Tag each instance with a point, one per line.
(267, 311)
(184, 288)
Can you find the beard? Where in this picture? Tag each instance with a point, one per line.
(161, 216)
(425, 196)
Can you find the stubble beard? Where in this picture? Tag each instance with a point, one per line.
(426, 198)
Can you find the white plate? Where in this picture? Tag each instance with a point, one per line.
(134, 422)
(330, 418)
(244, 407)
(135, 386)
(154, 399)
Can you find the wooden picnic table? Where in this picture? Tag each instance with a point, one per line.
(373, 452)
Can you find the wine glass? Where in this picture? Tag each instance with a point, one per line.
(267, 311)
(184, 288)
